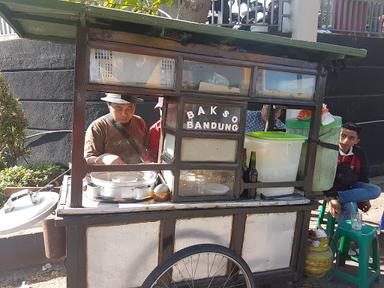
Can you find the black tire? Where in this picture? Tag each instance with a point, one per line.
(237, 272)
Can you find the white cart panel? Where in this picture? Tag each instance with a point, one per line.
(122, 255)
(268, 240)
(215, 230)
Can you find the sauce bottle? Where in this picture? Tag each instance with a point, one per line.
(244, 167)
(252, 175)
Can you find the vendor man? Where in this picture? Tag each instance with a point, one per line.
(256, 120)
(118, 137)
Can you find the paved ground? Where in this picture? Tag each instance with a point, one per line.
(35, 277)
(55, 276)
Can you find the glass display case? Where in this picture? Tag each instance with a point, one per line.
(203, 122)
(208, 134)
(208, 149)
(204, 111)
(282, 84)
(206, 77)
(121, 68)
(195, 183)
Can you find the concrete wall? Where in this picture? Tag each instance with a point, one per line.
(41, 74)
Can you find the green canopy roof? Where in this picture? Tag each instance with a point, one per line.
(56, 20)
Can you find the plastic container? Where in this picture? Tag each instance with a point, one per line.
(326, 159)
(277, 158)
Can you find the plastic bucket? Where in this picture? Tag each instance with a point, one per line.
(326, 158)
(277, 158)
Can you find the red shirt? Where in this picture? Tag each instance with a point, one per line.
(154, 139)
(352, 161)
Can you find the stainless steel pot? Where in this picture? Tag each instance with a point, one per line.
(132, 185)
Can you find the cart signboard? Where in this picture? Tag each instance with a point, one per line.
(211, 118)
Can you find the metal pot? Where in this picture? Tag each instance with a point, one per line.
(132, 185)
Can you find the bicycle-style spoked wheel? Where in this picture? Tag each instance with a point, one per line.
(203, 265)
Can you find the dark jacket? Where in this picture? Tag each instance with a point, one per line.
(358, 163)
(357, 170)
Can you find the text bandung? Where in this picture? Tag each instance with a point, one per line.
(212, 126)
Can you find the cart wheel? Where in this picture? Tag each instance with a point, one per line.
(203, 265)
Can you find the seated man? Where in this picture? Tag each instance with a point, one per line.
(351, 188)
(256, 120)
(118, 137)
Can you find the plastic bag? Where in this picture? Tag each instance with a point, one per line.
(326, 117)
(218, 79)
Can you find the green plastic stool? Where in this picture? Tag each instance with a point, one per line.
(329, 222)
(366, 239)
(320, 218)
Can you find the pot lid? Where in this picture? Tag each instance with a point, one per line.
(126, 179)
(25, 208)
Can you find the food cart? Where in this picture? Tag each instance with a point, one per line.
(207, 76)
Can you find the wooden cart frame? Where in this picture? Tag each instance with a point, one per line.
(97, 27)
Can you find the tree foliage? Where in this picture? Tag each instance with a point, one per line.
(13, 126)
(147, 6)
(30, 175)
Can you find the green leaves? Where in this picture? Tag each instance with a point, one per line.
(32, 175)
(146, 6)
(13, 125)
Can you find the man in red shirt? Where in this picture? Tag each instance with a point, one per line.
(155, 133)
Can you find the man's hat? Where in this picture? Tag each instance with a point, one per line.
(159, 103)
(121, 98)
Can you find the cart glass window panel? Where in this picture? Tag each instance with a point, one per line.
(213, 118)
(121, 68)
(169, 146)
(102, 137)
(200, 182)
(290, 85)
(171, 115)
(169, 178)
(206, 77)
(208, 149)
